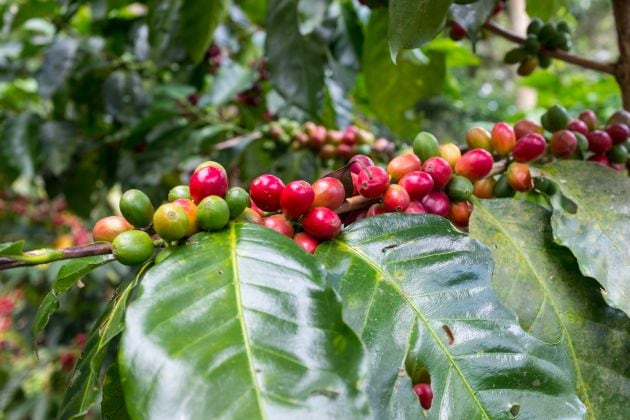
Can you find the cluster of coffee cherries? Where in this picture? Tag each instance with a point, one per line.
(540, 36)
(330, 144)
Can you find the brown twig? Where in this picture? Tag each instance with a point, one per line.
(587, 63)
(44, 256)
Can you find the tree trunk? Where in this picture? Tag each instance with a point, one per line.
(621, 10)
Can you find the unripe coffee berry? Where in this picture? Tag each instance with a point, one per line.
(519, 177)
(191, 212)
(479, 138)
(322, 223)
(280, 224)
(402, 165)
(266, 191)
(237, 200)
(328, 192)
(450, 153)
(170, 221)
(529, 148)
(306, 242)
(503, 138)
(436, 202)
(209, 180)
(474, 164)
(136, 207)
(180, 191)
(132, 247)
(425, 146)
(250, 216)
(213, 213)
(502, 188)
(372, 181)
(107, 228)
(395, 199)
(417, 183)
(460, 212)
(440, 171)
(296, 198)
(484, 188)
(459, 188)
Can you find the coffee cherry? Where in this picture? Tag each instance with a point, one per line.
(306, 242)
(563, 143)
(210, 163)
(322, 223)
(180, 191)
(459, 188)
(502, 188)
(599, 142)
(600, 160)
(415, 208)
(519, 177)
(132, 247)
(440, 171)
(450, 153)
(328, 151)
(460, 213)
(417, 183)
(107, 228)
(136, 207)
(402, 165)
(556, 118)
(529, 147)
(582, 142)
(525, 127)
(618, 154)
(249, 215)
(170, 221)
(372, 181)
(619, 167)
(237, 200)
(374, 210)
(425, 395)
(621, 116)
(213, 213)
(209, 180)
(359, 162)
(280, 224)
(479, 138)
(618, 132)
(316, 137)
(296, 198)
(425, 145)
(349, 135)
(474, 164)
(484, 188)
(191, 212)
(395, 199)
(457, 31)
(345, 151)
(578, 126)
(328, 192)
(334, 137)
(265, 191)
(503, 138)
(590, 119)
(436, 202)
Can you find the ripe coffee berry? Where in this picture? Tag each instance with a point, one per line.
(578, 126)
(266, 191)
(107, 228)
(618, 133)
(396, 198)
(359, 162)
(322, 223)
(425, 395)
(519, 177)
(210, 163)
(417, 183)
(280, 224)
(525, 127)
(402, 165)
(374, 210)
(479, 138)
(415, 208)
(306, 242)
(132, 247)
(529, 147)
(372, 181)
(503, 138)
(599, 142)
(296, 198)
(440, 171)
(563, 143)
(436, 202)
(328, 192)
(460, 213)
(209, 180)
(600, 160)
(589, 118)
(474, 164)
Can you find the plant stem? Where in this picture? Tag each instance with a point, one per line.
(621, 11)
(587, 63)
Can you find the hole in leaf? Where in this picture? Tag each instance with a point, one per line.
(449, 332)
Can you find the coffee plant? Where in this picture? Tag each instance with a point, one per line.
(228, 210)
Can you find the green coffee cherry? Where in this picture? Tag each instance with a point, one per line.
(544, 61)
(132, 247)
(532, 45)
(515, 55)
(618, 154)
(535, 26)
(556, 118)
(425, 145)
(563, 26)
(237, 199)
(502, 188)
(170, 221)
(180, 191)
(459, 188)
(546, 33)
(213, 213)
(136, 208)
(527, 66)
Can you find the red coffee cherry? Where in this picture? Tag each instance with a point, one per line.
(296, 198)
(484, 188)
(618, 133)
(440, 171)
(329, 192)
(479, 138)
(415, 208)
(599, 142)
(345, 151)
(322, 223)
(306, 242)
(417, 183)
(425, 395)
(474, 164)
(358, 162)
(529, 147)
(600, 160)
(402, 165)
(207, 181)
(266, 191)
(372, 181)
(279, 223)
(563, 143)
(503, 138)
(374, 210)
(460, 213)
(590, 119)
(396, 199)
(349, 135)
(525, 127)
(436, 202)
(519, 177)
(578, 126)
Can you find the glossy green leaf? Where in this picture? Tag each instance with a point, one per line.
(231, 79)
(49, 306)
(239, 324)
(472, 16)
(413, 23)
(124, 96)
(11, 248)
(543, 9)
(113, 403)
(598, 233)
(198, 21)
(73, 270)
(417, 289)
(59, 140)
(295, 61)
(393, 90)
(541, 282)
(58, 63)
(19, 148)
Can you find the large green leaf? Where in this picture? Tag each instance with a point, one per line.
(19, 147)
(598, 233)
(393, 90)
(113, 403)
(58, 63)
(416, 288)
(239, 324)
(73, 270)
(541, 282)
(543, 9)
(295, 61)
(413, 23)
(472, 16)
(198, 19)
(231, 79)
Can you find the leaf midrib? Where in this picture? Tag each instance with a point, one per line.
(397, 288)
